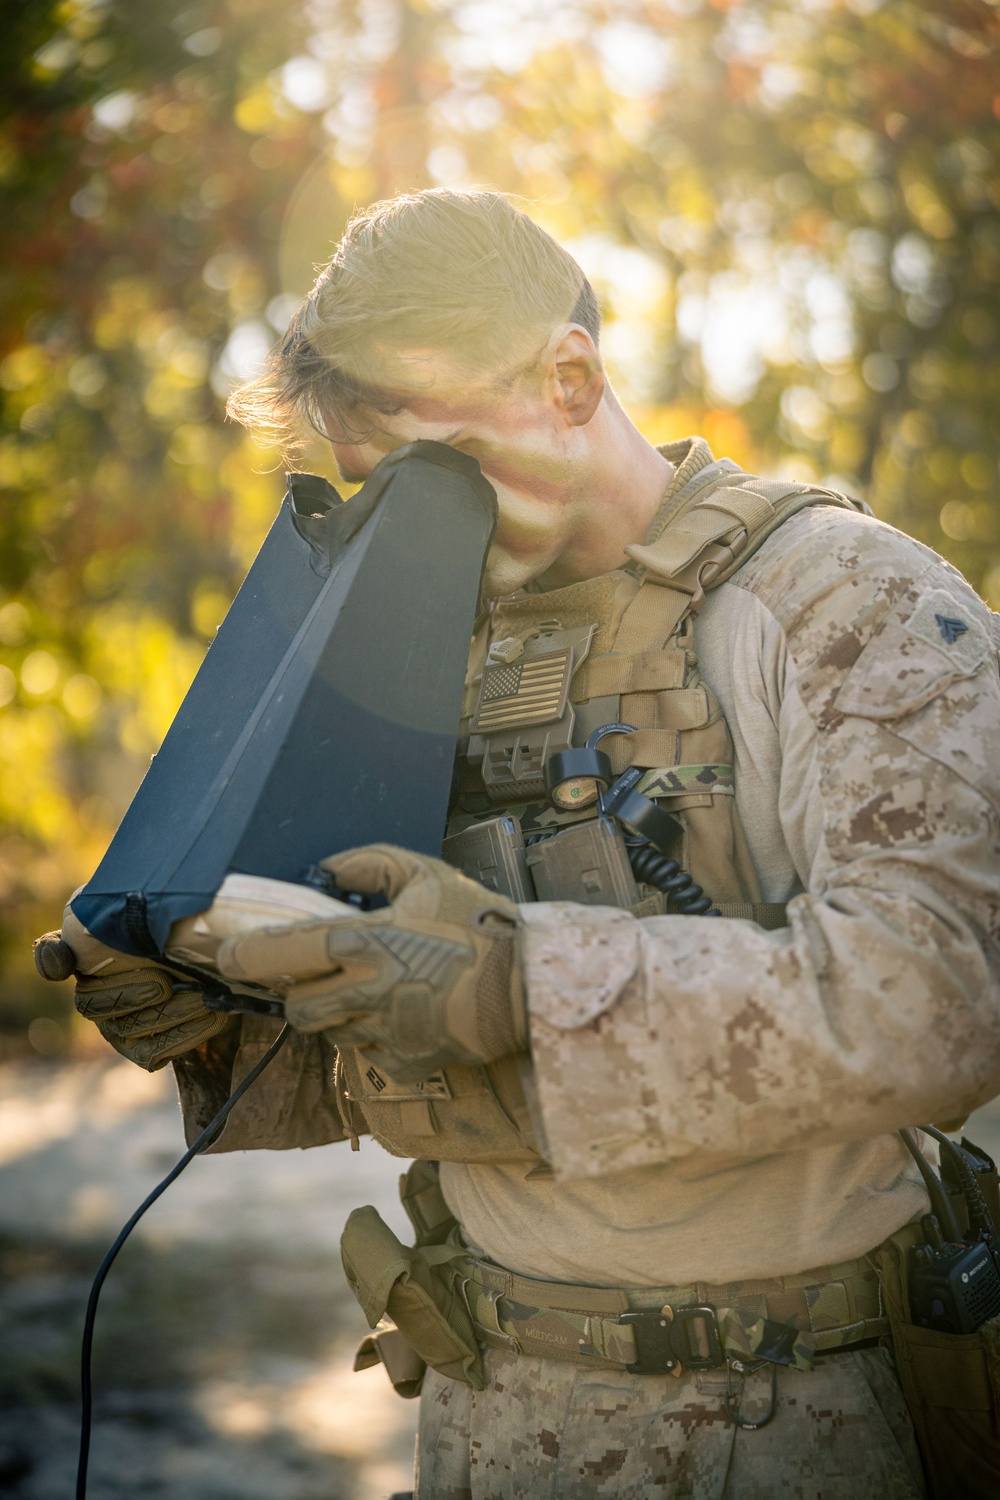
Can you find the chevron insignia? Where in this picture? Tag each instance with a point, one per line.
(950, 628)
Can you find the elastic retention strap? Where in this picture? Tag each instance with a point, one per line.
(137, 925)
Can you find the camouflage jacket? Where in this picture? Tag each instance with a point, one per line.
(704, 1075)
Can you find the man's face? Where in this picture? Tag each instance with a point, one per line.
(517, 432)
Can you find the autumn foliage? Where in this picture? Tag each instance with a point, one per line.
(791, 212)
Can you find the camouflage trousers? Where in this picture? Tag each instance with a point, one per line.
(551, 1430)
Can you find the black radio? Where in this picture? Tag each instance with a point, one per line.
(953, 1288)
(954, 1282)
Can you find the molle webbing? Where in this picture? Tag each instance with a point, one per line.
(808, 1314)
(651, 618)
(767, 914)
(646, 671)
(714, 517)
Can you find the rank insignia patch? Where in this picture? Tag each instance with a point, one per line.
(531, 691)
(951, 628)
(937, 621)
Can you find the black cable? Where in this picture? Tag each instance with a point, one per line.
(940, 1201)
(733, 1412)
(218, 996)
(685, 896)
(205, 1139)
(979, 1214)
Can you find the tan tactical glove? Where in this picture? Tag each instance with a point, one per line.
(137, 1006)
(434, 979)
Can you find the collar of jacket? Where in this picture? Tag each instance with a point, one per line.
(688, 456)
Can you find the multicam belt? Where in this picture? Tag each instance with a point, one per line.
(664, 1330)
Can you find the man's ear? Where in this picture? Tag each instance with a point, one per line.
(575, 374)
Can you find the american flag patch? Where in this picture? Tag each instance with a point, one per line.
(524, 692)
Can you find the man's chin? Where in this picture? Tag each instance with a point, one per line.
(505, 574)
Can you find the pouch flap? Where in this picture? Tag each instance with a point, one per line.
(913, 657)
(681, 543)
(374, 1260)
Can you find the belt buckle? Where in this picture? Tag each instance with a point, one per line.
(669, 1340)
(697, 1329)
(652, 1327)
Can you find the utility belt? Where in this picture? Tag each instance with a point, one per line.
(437, 1303)
(446, 1303)
(666, 1330)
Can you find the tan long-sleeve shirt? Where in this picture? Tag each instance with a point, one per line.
(719, 1102)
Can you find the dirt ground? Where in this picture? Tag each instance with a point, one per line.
(227, 1331)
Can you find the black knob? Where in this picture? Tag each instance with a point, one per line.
(54, 959)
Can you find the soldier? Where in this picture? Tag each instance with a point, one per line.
(648, 1261)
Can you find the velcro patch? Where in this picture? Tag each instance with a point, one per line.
(522, 693)
(942, 622)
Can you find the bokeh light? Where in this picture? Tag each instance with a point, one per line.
(791, 213)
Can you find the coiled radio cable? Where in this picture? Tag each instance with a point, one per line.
(685, 896)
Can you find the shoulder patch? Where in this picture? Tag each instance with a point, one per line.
(941, 621)
(914, 655)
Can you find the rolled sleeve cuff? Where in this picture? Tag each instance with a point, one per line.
(596, 1113)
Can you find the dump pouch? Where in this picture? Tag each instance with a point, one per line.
(403, 1365)
(951, 1383)
(419, 1289)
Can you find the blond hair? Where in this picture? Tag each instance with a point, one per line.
(459, 271)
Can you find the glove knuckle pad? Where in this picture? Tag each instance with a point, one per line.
(119, 995)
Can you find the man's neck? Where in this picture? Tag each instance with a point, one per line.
(621, 490)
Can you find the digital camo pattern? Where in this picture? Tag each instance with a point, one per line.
(878, 1006)
(553, 1431)
(295, 1107)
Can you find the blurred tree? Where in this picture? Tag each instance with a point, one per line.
(791, 211)
(821, 185)
(140, 250)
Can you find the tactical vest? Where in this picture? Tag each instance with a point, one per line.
(546, 671)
